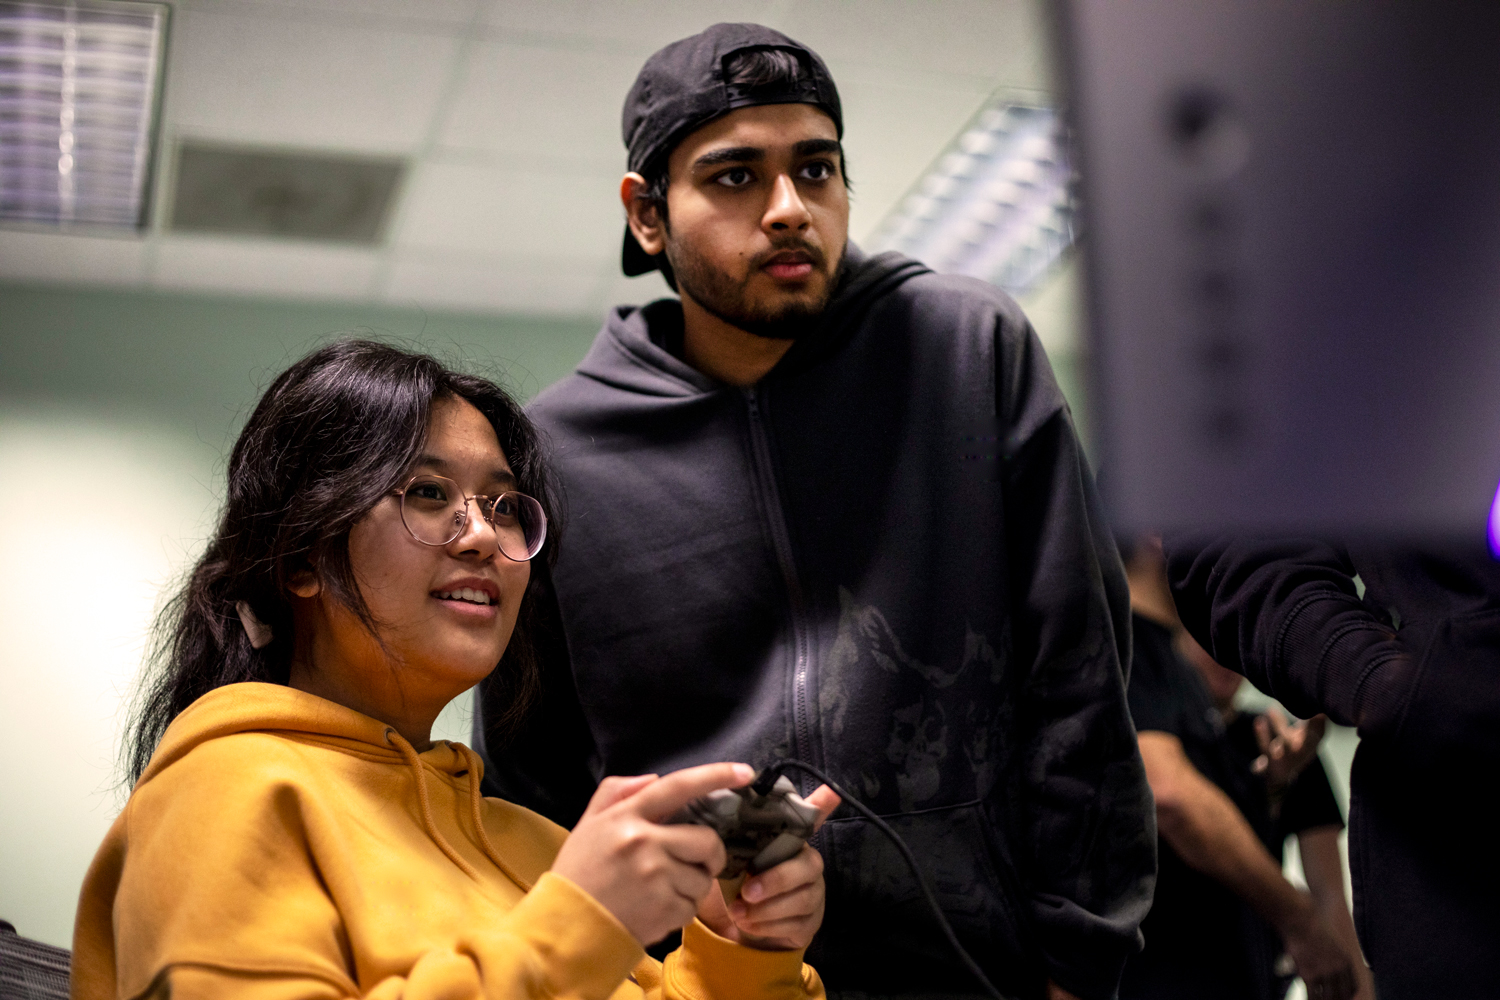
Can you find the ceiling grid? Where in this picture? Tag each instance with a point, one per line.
(508, 113)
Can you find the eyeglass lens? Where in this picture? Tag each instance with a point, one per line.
(434, 510)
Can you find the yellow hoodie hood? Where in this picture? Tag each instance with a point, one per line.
(280, 844)
(296, 715)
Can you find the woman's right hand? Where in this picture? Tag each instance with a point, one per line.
(650, 876)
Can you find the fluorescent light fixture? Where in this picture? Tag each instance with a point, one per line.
(997, 205)
(79, 89)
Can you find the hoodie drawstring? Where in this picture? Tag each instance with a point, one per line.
(475, 797)
(409, 752)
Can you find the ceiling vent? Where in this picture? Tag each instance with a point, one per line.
(80, 86)
(258, 192)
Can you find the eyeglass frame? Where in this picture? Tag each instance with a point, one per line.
(401, 509)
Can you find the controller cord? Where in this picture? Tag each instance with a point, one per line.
(767, 778)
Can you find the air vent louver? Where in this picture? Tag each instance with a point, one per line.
(340, 198)
(79, 87)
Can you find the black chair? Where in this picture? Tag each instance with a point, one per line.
(30, 970)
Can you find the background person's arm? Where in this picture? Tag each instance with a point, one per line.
(1211, 835)
(1286, 615)
(1323, 867)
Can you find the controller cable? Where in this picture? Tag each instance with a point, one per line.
(767, 778)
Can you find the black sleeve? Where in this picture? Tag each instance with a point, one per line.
(1155, 703)
(1090, 822)
(1309, 802)
(545, 764)
(1286, 615)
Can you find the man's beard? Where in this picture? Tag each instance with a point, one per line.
(716, 292)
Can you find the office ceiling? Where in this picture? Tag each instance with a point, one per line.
(508, 114)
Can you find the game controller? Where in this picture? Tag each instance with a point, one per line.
(759, 831)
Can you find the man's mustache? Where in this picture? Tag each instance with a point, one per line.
(815, 254)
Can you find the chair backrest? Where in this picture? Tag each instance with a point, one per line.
(30, 970)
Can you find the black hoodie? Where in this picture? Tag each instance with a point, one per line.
(1414, 663)
(886, 559)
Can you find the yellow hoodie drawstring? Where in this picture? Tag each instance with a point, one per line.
(409, 752)
(398, 741)
(475, 767)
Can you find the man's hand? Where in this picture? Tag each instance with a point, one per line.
(781, 908)
(650, 876)
(1318, 955)
(1285, 749)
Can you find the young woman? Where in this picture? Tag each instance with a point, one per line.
(293, 831)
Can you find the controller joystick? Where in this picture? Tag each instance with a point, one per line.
(759, 830)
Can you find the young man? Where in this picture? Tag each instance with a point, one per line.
(832, 507)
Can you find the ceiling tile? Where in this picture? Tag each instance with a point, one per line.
(28, 256)
(644, 25)
(310, 84)
(456, 208)
(437, 13)
(542, 103)
(528, 285)
(274, 268)
(892, 133)
(996, 40)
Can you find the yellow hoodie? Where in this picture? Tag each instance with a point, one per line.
(282, 846)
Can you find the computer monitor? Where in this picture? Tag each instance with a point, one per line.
(1292, 250)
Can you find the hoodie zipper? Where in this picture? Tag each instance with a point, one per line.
(770, 498)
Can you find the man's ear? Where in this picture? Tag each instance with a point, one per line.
(643, 216)
(305, 583)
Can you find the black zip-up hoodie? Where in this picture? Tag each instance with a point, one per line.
(1415, 664)
(887, 559)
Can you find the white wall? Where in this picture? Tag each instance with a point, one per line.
(96, 519)
(99, 520)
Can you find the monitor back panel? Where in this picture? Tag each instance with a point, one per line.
(1293, 259)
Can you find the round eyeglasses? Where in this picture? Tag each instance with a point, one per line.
(435, 511)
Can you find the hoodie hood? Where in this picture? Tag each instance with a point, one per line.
(625, 357)
(260, 707)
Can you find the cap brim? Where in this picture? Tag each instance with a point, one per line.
(633, 259)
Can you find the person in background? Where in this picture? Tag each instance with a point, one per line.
(1402, 642)
(294, 831)
(1230, 788)
(833, 507)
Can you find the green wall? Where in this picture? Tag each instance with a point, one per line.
(202, 361)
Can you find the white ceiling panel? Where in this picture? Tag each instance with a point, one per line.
(294, 269)
(892, 133)
(542, 103)
(458, 208)
(642, 26)
(438, 14)
(977, 38)
(529, 285)
(30, 256)
(314, 84)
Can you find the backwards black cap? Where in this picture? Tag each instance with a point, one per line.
(682, 88)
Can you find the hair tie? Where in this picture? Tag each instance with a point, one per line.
(258, 631)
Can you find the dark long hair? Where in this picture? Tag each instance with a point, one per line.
(333, 435)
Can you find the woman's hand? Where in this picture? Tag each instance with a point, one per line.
(651, 877)
(781, 908)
